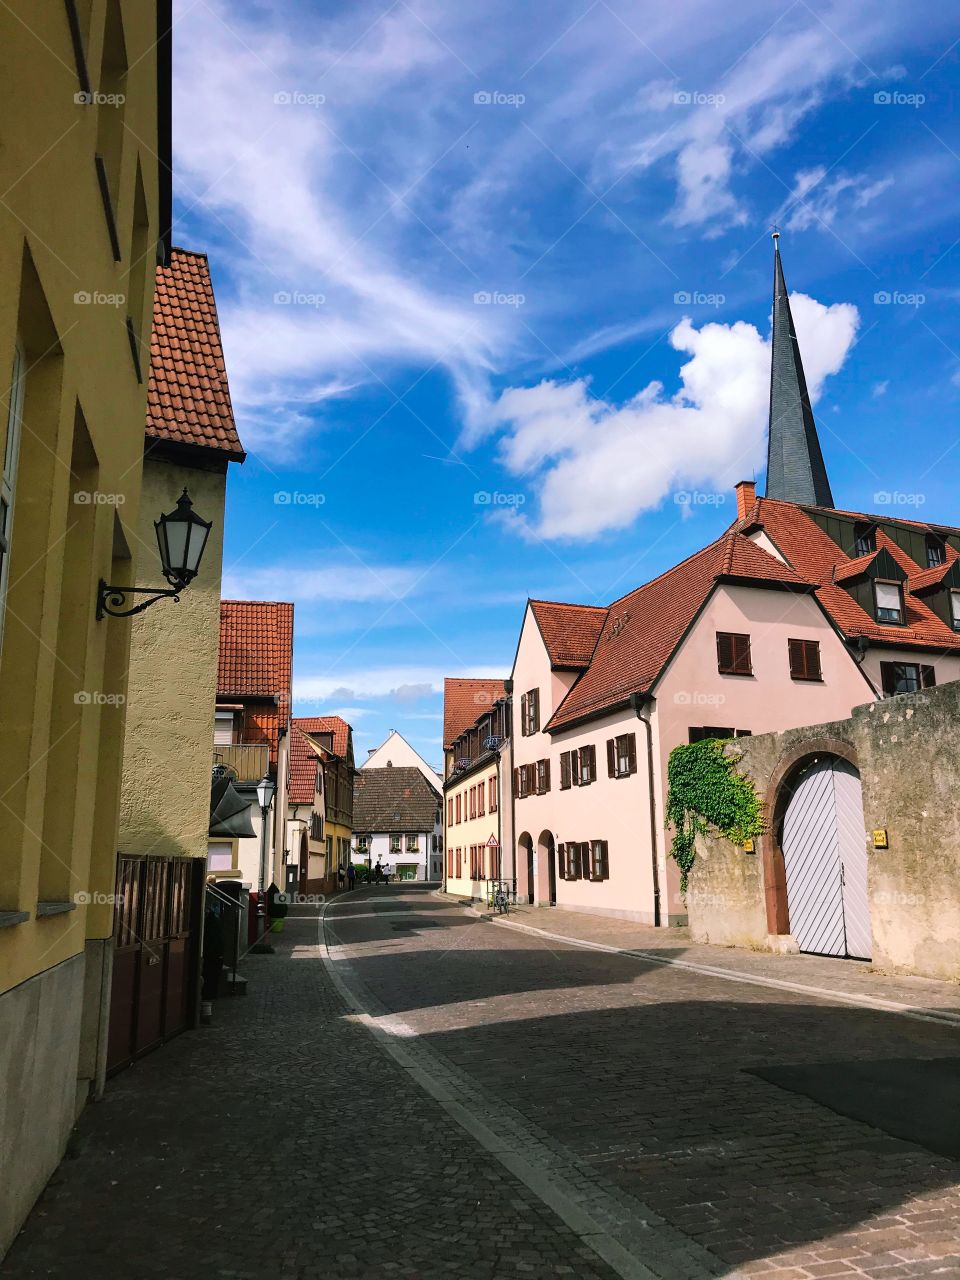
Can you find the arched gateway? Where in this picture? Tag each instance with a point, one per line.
(823, 842)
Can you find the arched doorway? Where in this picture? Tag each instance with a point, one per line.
(546, 869)
(525, 867)
(823, 841)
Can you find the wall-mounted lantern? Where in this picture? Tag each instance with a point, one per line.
(181, 537)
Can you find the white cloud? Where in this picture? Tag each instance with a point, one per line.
(349, 583)
(371, 682)
(814, 202)
(879, 389)
(599, 464)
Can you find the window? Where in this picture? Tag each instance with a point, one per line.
(450, 811)
(394, 844)
(697, 733)
(316, 826)
(568, 857)
(543, 777)
(449, 861)
(329, 843)
(223, 727)
(936, 551)
(459, 860)
(955, 609)
(523, 780)
(219, 855)
(888, 597)
(906, 677)
(596, 865)
(804, 659)
(864, 539)
(481, 798)
(733, 654)
(473, 802)
(622, 755)
(458, 806)
(530, 712)
(492, 786)
(11, 458)
(587, 765)
(361, 844)
(413, 844)
(564, 770)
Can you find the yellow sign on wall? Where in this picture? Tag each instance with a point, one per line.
(880, 840)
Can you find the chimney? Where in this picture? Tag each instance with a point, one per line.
(371, 751)
(746, 492)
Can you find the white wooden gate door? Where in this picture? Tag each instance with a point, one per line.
(825, 857)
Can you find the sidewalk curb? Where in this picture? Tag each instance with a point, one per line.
(876, 1003)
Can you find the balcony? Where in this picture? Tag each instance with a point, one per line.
(492, 743)
(244, 762)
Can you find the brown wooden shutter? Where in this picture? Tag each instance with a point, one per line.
(516, 782)
(928, 677)
(632, 752)
(564, 770)
(534, 710)
(795, 650)
(593, 762)
(546, 775)
(575, 767)
(611, 757)
(523, 714)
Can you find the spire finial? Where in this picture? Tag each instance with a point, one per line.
(775, 236)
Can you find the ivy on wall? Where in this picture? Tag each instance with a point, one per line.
(705, 790)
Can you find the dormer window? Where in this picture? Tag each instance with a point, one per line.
(888, 598)
(955, 609)
(936, 551)
(864, 539)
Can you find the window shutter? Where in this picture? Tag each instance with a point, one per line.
(888, 677)
(928, 677)
(516, 782)
(593, 762)
(611, 758)
(604, 861)
(632, 752)
(523, 715)
(575, 768)
(741, 654)
(724, 651)
(546, 775)
(564, 770)
(795, 651)
(534, 710)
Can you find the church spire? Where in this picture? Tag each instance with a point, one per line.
(795, 469)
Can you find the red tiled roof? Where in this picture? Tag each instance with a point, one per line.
(465, 699)
(304, 763)
(815, 554)
(188, 396)
(256, 661)
(570, 631)
(644, 627)
(334, 725)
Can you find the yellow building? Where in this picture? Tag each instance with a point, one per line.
(84, 100)
(335, 737)
(191, 438)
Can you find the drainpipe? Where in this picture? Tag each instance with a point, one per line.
(636, 701)
(508, 690)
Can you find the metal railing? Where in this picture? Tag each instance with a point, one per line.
(501, 894)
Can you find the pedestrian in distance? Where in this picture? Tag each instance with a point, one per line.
(341, 876)
(351, 875)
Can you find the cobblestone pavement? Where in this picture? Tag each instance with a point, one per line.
(642, 1072)
(522, 1107)
(282, 1144)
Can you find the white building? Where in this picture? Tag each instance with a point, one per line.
(398, 822)
(394, 751)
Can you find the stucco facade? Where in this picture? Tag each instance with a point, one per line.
(470, 860)
(77, 260)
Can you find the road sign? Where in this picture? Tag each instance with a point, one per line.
(493, 843)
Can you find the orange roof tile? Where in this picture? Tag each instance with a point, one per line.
(465, 699)
(644, 627)
(815, 554)
(570, 631)
(256, 661)
(188, 396)
(304, 763)
(333, 725)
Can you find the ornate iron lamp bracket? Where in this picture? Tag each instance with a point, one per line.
(110, 600)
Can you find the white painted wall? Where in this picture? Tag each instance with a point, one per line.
(396, 750)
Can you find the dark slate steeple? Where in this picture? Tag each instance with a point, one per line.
(795, 470)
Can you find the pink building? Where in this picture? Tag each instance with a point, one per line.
(797, 614)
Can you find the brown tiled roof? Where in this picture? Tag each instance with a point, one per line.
(644, 627)
(815, 554)
(256, 662)
(394, 799)
(570, 631)
(304, 763)
(465, 699)
(334, 725)
(188, 397)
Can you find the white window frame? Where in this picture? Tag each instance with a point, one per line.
(8, 478)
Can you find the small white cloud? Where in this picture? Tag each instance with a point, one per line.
(879, 389)
(600, 464)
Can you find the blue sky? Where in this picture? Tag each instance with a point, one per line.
(494, 282)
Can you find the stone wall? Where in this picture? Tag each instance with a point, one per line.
(908, 752)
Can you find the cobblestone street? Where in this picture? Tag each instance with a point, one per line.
(522, 1107)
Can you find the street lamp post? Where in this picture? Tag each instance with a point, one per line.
(266, 788)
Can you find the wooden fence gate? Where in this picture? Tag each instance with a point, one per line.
(158, 920)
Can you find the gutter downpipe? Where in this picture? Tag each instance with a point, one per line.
(508, 690)
(636, 701)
